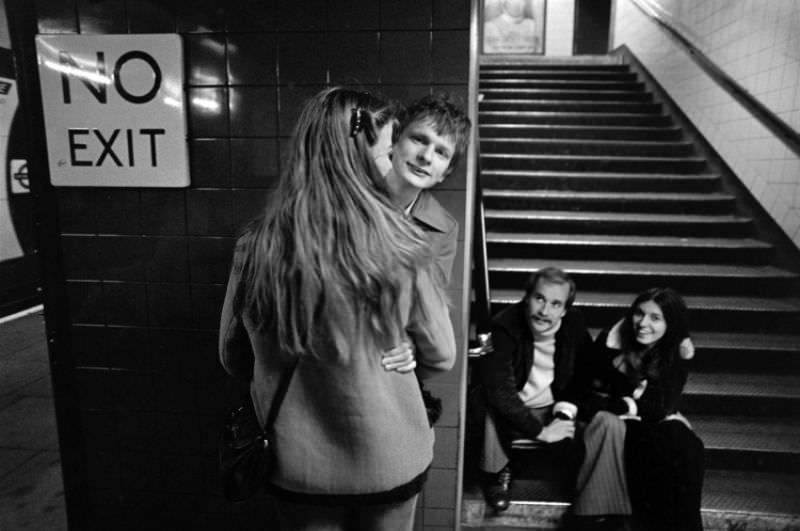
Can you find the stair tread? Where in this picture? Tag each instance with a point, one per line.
(565, 92)
(595, 175)
(534, 156)
(748, 433)
(614, 216)
(576, 82)
(738, 340)
(742, 494)
(546, 114)
(569, 194)
(741, 384)
(581, 127)
(632, 241)
(580, 142)
(643, 268)
(611, 70)
(758, 492)
(582, 103)
(698, 302)
(704, 340)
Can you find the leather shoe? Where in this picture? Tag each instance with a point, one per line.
(497, 490)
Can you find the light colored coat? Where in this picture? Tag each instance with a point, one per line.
(346, 428)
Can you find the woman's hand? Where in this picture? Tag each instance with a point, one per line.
(557, 430)
(687, 348)
(400, 358)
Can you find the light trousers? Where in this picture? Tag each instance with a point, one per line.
(602, 487)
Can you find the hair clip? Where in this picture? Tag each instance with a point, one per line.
(356, 121)
(357, 116)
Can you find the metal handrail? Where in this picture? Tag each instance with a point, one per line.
(482, 309)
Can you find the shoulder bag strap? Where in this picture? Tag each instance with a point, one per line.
(283, 386)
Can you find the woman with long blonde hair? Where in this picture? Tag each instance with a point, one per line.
(332, 275)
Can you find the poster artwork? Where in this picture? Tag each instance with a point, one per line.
(513, 26)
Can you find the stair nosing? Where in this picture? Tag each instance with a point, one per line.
(620, 267)
(698, 302)
(623, 240)
(625, 196)
(591, 141)
(527, 156)
(613, 216)
(594, 174)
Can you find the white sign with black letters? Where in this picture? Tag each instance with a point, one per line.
(114, 110)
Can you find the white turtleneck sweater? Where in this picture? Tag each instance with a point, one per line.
(537, 392)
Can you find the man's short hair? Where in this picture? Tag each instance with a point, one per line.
(553, 275)
(448, 120)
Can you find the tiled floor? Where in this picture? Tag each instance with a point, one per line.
(31, 491)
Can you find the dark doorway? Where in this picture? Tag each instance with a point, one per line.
(592, 18)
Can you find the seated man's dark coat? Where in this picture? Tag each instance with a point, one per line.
(505, 371)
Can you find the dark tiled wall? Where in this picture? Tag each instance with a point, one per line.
(145, 268)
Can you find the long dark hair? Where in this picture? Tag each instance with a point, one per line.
(652, 360)
(330, 254)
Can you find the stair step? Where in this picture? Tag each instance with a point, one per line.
(571, 74)
(749, 385)
(572, 94)
(601, 163)
(765, 395)
(573, 131)
(578, 84)
(714, 313)
(616, 222)
(736, 352)
(573, 118)
(619, 302)
(604, 247)
(630, 182)
(749, 442)
(732, 499)
(570, 106)
(561, 146)
(560, 64)
(635, 276)
(759, 493)
(674, 203)
(776, 353)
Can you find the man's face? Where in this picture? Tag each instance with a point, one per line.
(547, 305)
(515, 8)
(421, 157)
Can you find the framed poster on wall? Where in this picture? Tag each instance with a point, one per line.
(513, 26)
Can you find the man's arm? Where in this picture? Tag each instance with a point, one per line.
(497, 375)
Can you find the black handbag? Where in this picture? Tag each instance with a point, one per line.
(245, 455)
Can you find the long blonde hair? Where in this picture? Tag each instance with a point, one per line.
(330, 254)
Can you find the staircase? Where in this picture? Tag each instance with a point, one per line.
(582, 168)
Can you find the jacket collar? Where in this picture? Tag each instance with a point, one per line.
(426, 210)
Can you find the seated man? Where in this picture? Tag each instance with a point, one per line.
(528, 379)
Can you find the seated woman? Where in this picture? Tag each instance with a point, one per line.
(642, 458)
